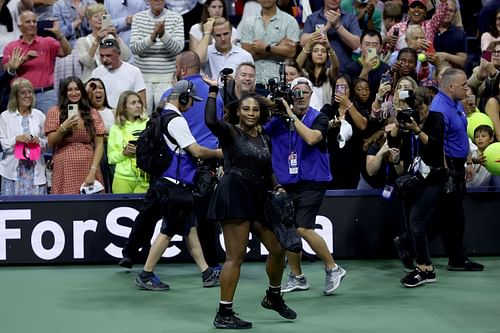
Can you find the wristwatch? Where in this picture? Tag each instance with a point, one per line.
(268, 48)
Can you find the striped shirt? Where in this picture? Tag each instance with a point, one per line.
(156, 60)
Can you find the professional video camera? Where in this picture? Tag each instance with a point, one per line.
(403, 116)
(280, 89)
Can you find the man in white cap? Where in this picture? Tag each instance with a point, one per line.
(163, 199)
(301, 165)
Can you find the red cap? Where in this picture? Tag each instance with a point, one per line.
(422, 2)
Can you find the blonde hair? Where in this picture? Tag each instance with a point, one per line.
(121, 108)
(18, 84)
(94, 9)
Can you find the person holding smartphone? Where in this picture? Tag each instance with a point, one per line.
(131, 120)
(77, 141)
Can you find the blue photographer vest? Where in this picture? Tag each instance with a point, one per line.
(313, 164)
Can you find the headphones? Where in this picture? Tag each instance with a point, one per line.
(184, 97)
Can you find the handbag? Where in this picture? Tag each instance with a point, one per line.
(179, 203)
(408, 184)
(280, 214)
(205, 182)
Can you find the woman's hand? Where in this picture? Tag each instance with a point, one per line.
(383, 89)
(129, 150)
(27, 138)
(343, 100)
(70, 122)
(90, 179)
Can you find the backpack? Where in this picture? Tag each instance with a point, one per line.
(152, 153)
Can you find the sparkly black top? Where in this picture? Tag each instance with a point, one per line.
(245, 155)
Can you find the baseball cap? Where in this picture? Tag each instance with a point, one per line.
(186, 87)
(422, 2)
(301, 80)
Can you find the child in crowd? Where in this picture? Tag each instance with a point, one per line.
(131, 120)
(483, 137)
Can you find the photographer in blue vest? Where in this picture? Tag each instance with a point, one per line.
(301, 164)
(170, 197)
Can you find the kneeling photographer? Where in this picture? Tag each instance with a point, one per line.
(420, 134)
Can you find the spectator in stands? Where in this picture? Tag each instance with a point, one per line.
(23, 142)
(211, 10)
(382, 161)
(39, 56)
(345, 134)
(341, 28)
(88, 46)
(122, 13)
(221, 54)
(157, 38)
(369, 66)
(9, 20)
(243, 84)
(492, 107)
(420, 68)
(131, 118)
(457, 19)
(73, 24)
(483, 76)
(98, 100)
(392, 104)
(303, 171)
(292, 70)
(483, 137)
(450, 42)
(159, 201)
(321, 66)
(77, 141)
(270, 37)
(116, 74)
(417, 12)
(368, 15)
(486, 16)
(190, 10)
(493, 33)
(391, 15)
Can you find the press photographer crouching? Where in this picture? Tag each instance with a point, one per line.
(419, 133)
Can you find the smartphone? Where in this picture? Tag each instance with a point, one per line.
(486, 55)
(395, 32)
(340, 89)
(386, 78)
(133, 142)
(106, 21)
(372, 53)
(72, 110)
(320, 28)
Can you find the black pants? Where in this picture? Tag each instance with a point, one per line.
(450, 213)
(419, 210)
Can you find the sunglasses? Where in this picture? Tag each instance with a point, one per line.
(108, 43)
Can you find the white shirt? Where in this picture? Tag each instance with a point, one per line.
(108, 117)
(116, 81)
(178, 128)
(216, 61)
(10, 127)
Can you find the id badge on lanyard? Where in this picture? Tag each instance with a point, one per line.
(293, 163)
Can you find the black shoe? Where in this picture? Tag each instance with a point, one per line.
(466, 265)
(275, 302)
(231, 322)
(416, 278)
(126, 262)
(404, 254)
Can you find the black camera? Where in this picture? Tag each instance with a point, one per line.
(404, 116)
(278, 91)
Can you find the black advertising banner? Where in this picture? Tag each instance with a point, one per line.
(94, 228)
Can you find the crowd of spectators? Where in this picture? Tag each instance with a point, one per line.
(112, 61)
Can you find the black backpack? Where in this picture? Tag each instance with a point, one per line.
(152, 153)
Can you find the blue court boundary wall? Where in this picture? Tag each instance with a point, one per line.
(92, 229)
